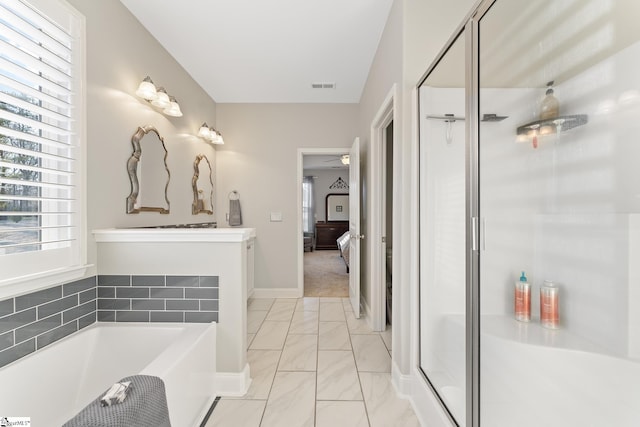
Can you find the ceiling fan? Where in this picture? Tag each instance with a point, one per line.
(344, 159)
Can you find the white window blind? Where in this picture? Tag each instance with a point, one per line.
(39, 141)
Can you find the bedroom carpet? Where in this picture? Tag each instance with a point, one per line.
(325, 274)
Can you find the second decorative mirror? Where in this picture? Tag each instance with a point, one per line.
(202, 183)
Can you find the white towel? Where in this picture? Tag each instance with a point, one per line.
(235, 215)
(116, 394)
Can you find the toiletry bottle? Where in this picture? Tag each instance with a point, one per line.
(549, 315)
(550, 106)
(523, 299)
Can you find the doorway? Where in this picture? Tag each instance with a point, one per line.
(388, 219)
(323, 183)
(382, 214)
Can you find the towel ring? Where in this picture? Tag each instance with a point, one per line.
(234, 195)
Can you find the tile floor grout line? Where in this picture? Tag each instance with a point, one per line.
(264, 411)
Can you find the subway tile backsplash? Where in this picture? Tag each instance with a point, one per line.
(32, 321)
(191, 299)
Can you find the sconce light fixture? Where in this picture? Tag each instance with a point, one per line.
(210, 134)
(345, 159)
(158, 97)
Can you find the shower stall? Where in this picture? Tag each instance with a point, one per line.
(529, 160)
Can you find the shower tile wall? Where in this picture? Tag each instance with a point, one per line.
(32, 321)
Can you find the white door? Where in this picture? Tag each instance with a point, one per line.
(354, 227)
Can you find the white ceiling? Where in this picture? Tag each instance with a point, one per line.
(270, 51)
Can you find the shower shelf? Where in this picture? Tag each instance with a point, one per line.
(551, 125)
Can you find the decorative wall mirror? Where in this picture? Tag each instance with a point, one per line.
(147, 176)
(202, 183)
(337, 207)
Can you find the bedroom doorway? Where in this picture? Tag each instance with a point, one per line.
(323, 205)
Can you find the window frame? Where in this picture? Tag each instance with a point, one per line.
(30, 271)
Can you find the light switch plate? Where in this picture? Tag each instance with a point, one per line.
(276, 216)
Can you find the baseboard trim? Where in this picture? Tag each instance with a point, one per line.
(233, 383)
(424, 403)
(277, 293)
(402, 383)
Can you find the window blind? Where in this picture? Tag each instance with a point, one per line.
(37, 141)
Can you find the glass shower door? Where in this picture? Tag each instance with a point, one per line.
(442, 230)
(559, 111)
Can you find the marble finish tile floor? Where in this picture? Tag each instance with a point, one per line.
(313, 364)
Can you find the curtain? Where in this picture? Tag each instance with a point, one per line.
(308, 205)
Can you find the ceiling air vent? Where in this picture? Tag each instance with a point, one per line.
(323, 85)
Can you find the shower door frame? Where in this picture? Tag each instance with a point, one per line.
(469, 30)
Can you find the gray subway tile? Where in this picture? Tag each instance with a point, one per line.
(132, 293)
(106, 316)
(182, 304)
(132, 316)
(147, 304)
(209, 281)
(183, 281)
(106, 292)
(33, 329)
(79, 286)
(17, 320)
(6, 307)
(39, 297)
(200, 317)
(147, 280)
(114, 280)
(54, 307)
(208, 305)
(114, 304)
(86, 296)
(167, 316)
(16, 352)
(79, 311)
(87, 320)
(201, 293)
(56, 334)
(167, 292)
(6, 340)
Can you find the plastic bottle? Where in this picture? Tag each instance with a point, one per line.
(549, 309)
(523, 299)
(550, 106)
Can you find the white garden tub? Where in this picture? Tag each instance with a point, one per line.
(53, 384)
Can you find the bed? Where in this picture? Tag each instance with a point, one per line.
(343, 246)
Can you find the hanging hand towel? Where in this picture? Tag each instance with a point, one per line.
(235, 215)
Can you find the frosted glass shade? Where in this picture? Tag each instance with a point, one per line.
(173, 109)
(162, 100)
(147, 90)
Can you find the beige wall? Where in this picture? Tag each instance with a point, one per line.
(259, 160)
(119, 54)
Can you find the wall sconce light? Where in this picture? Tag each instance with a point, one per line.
(158, 97)
(345, 159)
(210, 134)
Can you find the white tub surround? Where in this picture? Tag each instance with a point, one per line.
(223, 252)
(51, 386)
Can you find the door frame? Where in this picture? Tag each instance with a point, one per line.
(300, 173)
(386, 114)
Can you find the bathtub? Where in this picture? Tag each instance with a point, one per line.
(531, 376)
(55, 383)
